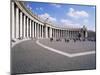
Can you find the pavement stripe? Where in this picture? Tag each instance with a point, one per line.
(64, 53)
(83, 53)
(17, 42)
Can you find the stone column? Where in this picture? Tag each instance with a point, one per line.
(54, 33)
(76, 35)
(66, 33)
(24, 26)
(37, 30)
(61, 33)
(86, 34)
(13, 22)
(17, 23)
(33, 29)
(72, 34)
(69, 34)
(42, 31)
(20, 25)
(50, 32)
(30, 28)
(58, 33)
(27, 27)
(46, 32)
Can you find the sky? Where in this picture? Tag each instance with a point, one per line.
(65, 15)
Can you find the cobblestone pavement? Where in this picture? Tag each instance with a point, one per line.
(28, 57)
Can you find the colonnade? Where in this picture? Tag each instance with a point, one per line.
(23, 26)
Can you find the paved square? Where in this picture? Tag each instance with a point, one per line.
(29, 57)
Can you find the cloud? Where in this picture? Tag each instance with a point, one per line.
(85, 21)
(39, 8)
(69, 23)
(65, 21)
(56, 5)
(46, 15)
(77, 14)
(30, 8)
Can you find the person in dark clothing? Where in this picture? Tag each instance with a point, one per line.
(79, 36)
(51, 39)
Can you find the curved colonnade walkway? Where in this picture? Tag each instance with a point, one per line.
(32, 56)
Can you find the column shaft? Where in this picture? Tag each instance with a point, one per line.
(42, 32)
(27, 27)
(20, 25)
(30, 28)
(33, 29)
(24, 26)
(50, 32)
(46, 32)
(13, 21)
(37, 30)
(17, 22)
